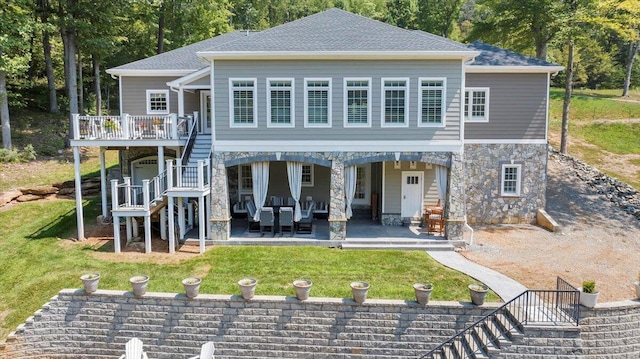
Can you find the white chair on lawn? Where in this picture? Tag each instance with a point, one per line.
(133, 350)
(206, 352)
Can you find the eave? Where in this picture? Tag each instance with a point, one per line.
(337, 55)
(485, 69)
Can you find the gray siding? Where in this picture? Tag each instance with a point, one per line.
(191, 102)
(134, 93)
(337, 71)
(517, 107)
(393, 186)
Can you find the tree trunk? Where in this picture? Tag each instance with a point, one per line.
(51, 80)
(633, 49)
(69, 40)
(96, 84)
(4, 111)
(160, 48)
(567, 99)
(80, 85)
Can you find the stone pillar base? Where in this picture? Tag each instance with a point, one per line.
(337, 229)
(220, 229)
(454, 230)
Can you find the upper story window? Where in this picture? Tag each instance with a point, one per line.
(242, 103)
(476, 104)
(357, 102)
(157, 102)
(395, 102)
(280, 103)
(431, 107)
(511, 178)
(307, 175)
(317, 102)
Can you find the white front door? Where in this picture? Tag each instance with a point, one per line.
(412, 193)
(205, 110)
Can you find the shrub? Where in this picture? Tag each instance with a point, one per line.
(26, 155)
(589, 286)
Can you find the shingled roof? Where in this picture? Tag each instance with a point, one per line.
(495, 56)
(184, 58)
(336, 30)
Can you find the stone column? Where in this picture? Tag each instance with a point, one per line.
(456, 197)
(337, 213)
(220, 214)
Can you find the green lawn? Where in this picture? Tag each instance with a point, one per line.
(587, 106)
(35, 266)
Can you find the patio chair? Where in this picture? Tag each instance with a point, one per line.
(286, 220)
(267, 221)
(133, 350)
(254, 226)
(305, 225)
(435, 220)
(206, 352)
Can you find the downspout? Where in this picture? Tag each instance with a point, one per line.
(464, 64)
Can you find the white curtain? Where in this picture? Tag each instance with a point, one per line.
(294, 171)
(260, 179)
(441, 181)
(349, 187)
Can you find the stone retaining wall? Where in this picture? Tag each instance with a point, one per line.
(74, 324)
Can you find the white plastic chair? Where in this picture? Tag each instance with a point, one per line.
(206, 352)
(133, 350)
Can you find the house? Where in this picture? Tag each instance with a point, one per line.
(332, 108)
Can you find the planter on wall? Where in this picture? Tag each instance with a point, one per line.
(478, 293)
(139, 284)
(637, 285)
(359, 291)
(90, 282)
(247, 287)
(423, 292)
(302, 287)
(191, 286)
(588, 300)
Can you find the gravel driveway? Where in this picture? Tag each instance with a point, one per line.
(598, 241)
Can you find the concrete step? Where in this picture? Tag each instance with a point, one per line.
(399, 244)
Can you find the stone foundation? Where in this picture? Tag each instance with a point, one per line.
(337, 230)
(482, 178)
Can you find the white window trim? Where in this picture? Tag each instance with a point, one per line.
(467, 116)
(367, 186)
(292, 98)
(149, 112)
(345, 92)
(309, 184)
(306, 103)
(383, 101)
(241, 189)
(444, 101)
(518, 180)
(255, 103)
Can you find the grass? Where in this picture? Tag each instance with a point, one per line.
(36, 265)
(586, 107)
(619, 138)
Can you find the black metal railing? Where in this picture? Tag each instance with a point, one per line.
(191, 141)
(560, 306)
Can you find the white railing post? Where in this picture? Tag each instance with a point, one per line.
(127, 193)
(114, 194)
(169, 170)
(156, 187)
(76, 126)
(196, 118)
(145, 194)
(174, 126)
(125, 126)
(179, 170)
(208, 173)
(200, 174)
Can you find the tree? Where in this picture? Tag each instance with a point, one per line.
(16, 25)
(401, 13)
(438, 16)
(45, 10)
(518, 25)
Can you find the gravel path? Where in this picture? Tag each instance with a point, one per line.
(598, 241)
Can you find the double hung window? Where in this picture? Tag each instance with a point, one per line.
(307, 175)
(395, 102)
(157, 102)
(511, 178)
(431, 107)
(476, 105)
(357, 102)
(280, 103)
(317, 102)
(242, 103)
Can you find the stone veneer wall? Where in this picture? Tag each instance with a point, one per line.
(483, 170)
(73, 324)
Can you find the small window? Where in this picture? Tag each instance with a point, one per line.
(242, 103)
(476, 105)
(317, 102)
(357, 102)
(157, 102)
(307, 175)
(280, 103)
(246, 178)
(395, 102)
(432, 102)
(511, 174)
